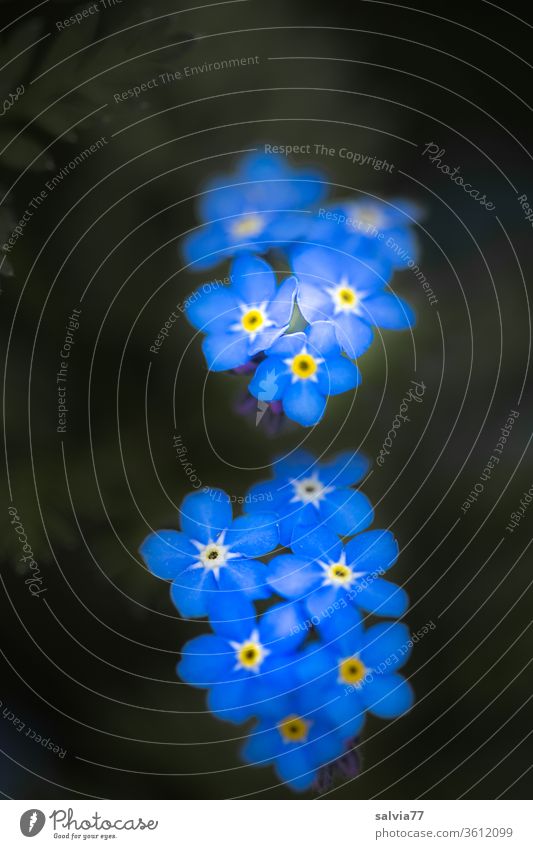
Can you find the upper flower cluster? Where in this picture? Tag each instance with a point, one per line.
(307, 669)
(342, 258)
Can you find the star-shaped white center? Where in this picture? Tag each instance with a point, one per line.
(250, 654)
(309, 490)
(213, 555)
(338, 574)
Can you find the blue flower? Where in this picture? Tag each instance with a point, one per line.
(369, 228)
(301, 370)
(352, 671)
(297, 741)
(307, 493)
(244, 318)
(244, 662)
(348, 292)
(262, 205)
(324, 574)
(214, 554)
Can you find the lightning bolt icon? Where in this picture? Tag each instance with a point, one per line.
(33, 820)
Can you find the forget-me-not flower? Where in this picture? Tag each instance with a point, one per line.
(245, 661)
(304, 492)
(213, 553)
(336, 287)
(244, 318)
(302, 370)
(262, 205)
(353, 670)
(324, 573)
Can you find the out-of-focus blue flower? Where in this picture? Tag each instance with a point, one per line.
(352, 671)
(308, 493)
(213, 554)
(301, 370)
(242, 319)
(263, 204)
(245, 662)
(324, 574)
(350, 293)
(296, 740)
(377, 231)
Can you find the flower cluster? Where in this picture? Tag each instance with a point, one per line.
(302, 335)
(307, 670)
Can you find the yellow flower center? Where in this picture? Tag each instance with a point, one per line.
(304, 365)
(252, 320)
(339, 573)
(347, 296)
(250, 655)
(352, 670)
(248, 225)
(293, 728)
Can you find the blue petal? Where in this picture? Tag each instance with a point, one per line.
(372, 551)
(204, 515)
(347, 714)
(263, 745)
(281, 307)
(303, 403)
(346, 511)
(167, 553)
(205, 247)
(253, 535)
(343, 630)
(282, 627)
(354, 335)
(323, 602)
(322, 339)
(327, 745)
(289, 345)
(270, 380)
(337, 375)
(293, 768)
(382, 597)
(296, 464)
(231, 702)
(264, 340)
(317, 668)
(253, 280)
(320, 266)
(292, 577)
(191, 591)
(211, 309)
(388, 696)
(386, 646)
(246, 576)
(231, 615)
(314, 302)
(225, 351)
(317, 544)
(206, 660)
(388, 311)
(345, 469)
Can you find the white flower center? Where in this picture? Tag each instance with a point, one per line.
(253, 319)
(345, 298)
(250, 654)
(213, 555)
(309, 490)
(338, 574)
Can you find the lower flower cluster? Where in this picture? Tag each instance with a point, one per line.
(307, 670)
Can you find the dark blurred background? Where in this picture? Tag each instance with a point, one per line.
(90, 663)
